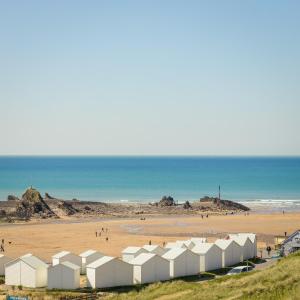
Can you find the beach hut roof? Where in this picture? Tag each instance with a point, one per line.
(142, 258)
(241, 240)
(70, 265)
(131, 250)
(88, 253)
(151, 247)
(26, 255)
(223, 244)
(61, 254)
(173, 253)
(34, 261)
(99, 262)
(199, 240)
(30, 260)
(251, 236)
(202, 248)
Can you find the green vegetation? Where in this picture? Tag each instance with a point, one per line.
(280, 281)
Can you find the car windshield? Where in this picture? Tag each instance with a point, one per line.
(235, 271)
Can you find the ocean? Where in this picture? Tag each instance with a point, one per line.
(270, 180)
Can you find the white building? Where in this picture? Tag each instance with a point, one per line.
(3, 260)
(64, 276)
(130, 253)
(171, 245)
(88, 257)
(253, 239)
(210, 256)
(246, 244)
(187, 244)
(199, 240)
(150, 267)
(62, 256)
(183, 262)
(27, 270)
(231, 252)
(156, 249)
(109, 272)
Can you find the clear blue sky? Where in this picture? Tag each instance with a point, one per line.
(150, 77)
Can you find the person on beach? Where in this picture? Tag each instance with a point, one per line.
(2, 246)
(96, 233)
(106, 239)
(150, 242)
(269, 250)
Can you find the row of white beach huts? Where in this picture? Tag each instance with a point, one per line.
(138, 265)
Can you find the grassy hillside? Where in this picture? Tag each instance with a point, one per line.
(280, 281)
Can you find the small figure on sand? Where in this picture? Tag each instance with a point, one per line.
(106, 239)
(269, 250)
(2, 246)
(164, 244)
(96, 233)
(150, 242)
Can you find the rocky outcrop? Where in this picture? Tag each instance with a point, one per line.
(32, 204)
(47, 196)
(224, 204)
(187, 205)
(166, 201)
(67, 208)
(12, 198)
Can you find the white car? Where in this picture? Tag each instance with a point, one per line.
(239, 269)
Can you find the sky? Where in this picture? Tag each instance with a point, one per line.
(149, 77)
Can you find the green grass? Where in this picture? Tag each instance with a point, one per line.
(280, 281)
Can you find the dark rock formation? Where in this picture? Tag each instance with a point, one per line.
(224, 204)
(187, 205)
(167, 201)
(47, 196)
(67, 208)
(31, 204)
(12, 198)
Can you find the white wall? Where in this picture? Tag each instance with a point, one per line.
(111, 274)
(155, 269)
(13, 274)
(62, 277)
(88, 260)
(3, 260)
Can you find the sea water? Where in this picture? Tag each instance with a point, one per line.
(145, 179)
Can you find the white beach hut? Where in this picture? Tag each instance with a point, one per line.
(231, 252)
(156, 249)
(246, 244)
(109, 272)
(171, 245)
(150, 267)
(130, 253)
(27, 270)
(3, 260)
(88, 257)
(210, 256)
(251, 236)
(199, 240)
(187, 244)
(65, 275)
(183, 262)
(62, 256)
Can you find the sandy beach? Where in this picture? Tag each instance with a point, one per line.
(46, 238)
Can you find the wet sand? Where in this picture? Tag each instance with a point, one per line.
(46, 239)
